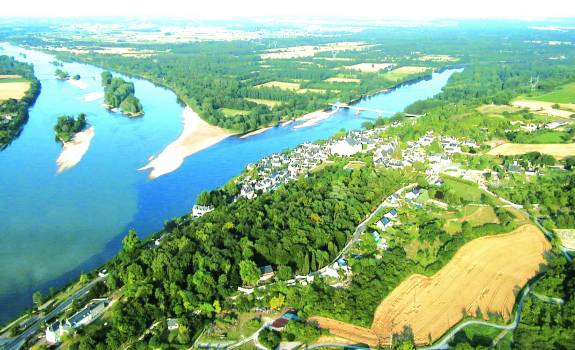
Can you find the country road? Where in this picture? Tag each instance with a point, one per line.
(18, 342)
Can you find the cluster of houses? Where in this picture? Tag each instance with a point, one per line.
(5, 119)
(201, 210)
(87, 315)
(280, 168)
(531, 127)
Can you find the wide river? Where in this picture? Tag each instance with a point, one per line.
(54, 226)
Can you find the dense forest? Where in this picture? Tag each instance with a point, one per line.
(119, 93)
(66, 127)
(17, 110)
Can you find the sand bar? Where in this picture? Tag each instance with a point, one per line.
(313, 118)
(196, 135)
(93, 96)
(80, 84)
(73, 151)
(256, 132)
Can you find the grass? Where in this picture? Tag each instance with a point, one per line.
(343, 80)
(402, 72)
(235, 330)
(230, 112)
(269, 103)
(545, 137)
(354, 165)
(476, 215)
(565, 94)
(467, 190)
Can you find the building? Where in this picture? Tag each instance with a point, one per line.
(55, 331)
(392, 214)
(266, 273)
(384, 223)
(172, 324)
(88, 314)
(201, 210)
(411, 195)
(346, 147)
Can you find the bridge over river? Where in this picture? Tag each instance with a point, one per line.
(380, 112)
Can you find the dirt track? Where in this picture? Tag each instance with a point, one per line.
(483, 278)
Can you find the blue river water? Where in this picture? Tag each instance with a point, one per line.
(54, 226)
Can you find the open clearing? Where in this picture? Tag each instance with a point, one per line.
(310, 51)
(559, 150)
(438, 58)
(497, 109)
(13, 89)
(476, 215)
(343, 80)
(565, 94)
(402, 72)
(269, 103)
(485, 275)
(368, 67)
(566, 110)
(567, 237)
(280, 85)
(230, 112)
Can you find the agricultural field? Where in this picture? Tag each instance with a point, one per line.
(567, 237)
(556, 150)
(280, 85)
(310, 50)
(343, 80)
(482, 280)
(269, 103)
(565, 94)
(438, 58)
(467, 190)
(230, 112)
(13, 86)
(476, 215)
(368, 67)
(402, 72)
(564, 111)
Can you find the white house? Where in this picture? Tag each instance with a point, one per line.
(554, 125)
(384, 223)
(201, 210)
(411, 195)
(172, 324)
(55, 331)
(392, 214)
(346, 147)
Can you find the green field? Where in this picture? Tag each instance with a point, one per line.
(566, 94)
(230, 112)
(466, 189)
(269, 103)
(543, 137)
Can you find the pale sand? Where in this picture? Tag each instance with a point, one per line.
(546, 108)
(73, 151)
(93, 96)
(80, 84)
(313, 118)
(196, 136)
(255, 132)
(567, 237)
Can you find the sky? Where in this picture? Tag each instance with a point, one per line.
(222, 9)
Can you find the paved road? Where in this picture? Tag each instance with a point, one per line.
(346, 346)
(18, 342)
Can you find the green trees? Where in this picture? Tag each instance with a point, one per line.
(120, 93)
(14, 113)
(249, 272)
(67, 126)
(270, 338)
(60, 74)
(37, 298)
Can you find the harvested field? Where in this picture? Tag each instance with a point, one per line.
(485, 275)
(566, 110)
(310, 50)
(556, 150)
(15, 90)
(280, 85)
(497, 109)
(567, 237)
(402, 72)
(438, 58)
(368, 67)
(343, 80)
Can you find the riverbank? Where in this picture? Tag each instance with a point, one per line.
(73, 151)
(256, 132)
(196, 135)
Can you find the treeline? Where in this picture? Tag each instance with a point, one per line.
(297, 229)
(68, 126)
(548, 325)
(14, 113)
(553, 193)
(119, 93)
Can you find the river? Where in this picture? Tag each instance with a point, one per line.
(54, 226)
